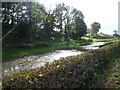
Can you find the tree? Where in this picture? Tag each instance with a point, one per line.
(60, 13)
(38, 17)
(21, 17)
(8, 16)
(44, 22)
(82, 30)
(30, 22)
(95, 28)
(67, 28)
(115, 33)
(33, 21)
(49, 24)
(78, 24)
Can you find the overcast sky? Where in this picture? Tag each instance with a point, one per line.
(103, 11)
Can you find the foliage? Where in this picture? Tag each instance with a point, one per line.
(32, 21)
(16, 15)
(95, 28)
(71, 72)
(116, 33)
(111, 77)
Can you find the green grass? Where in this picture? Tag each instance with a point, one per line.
(100, 37)
(18, 51)
(103, 40)
(11, 54)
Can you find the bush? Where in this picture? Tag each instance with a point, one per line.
(71, 72)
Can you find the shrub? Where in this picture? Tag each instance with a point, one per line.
(71, 72)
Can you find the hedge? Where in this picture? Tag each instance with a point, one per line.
(72, 72)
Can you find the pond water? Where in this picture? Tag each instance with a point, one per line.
(32, 62)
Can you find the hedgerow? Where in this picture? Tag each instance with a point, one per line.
(81, 71)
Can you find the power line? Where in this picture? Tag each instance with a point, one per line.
(7, 33)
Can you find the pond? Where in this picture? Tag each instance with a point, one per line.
(31, 62)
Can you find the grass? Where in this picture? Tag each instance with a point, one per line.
(11, 54)
(18, 51)
(103, 40)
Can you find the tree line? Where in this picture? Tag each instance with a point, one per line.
(32, 21)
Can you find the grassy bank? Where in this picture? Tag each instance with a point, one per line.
(19, 51)
(39, 48)
(73, 72)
